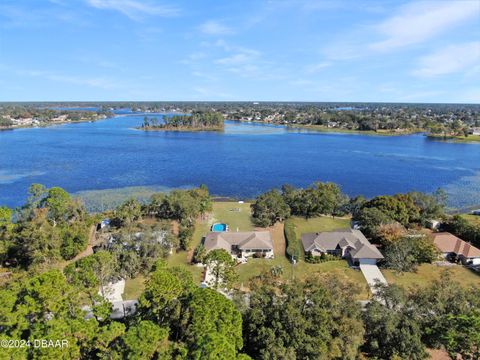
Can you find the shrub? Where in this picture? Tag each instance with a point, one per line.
(293, 249)
(185, 233)
(320, 259)
(199, 254)
(258, 255)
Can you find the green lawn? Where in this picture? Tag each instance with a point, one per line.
(300, 271)
(319, 224)
(426, 273)
(473, 219)
(233, 214)
(134, 287)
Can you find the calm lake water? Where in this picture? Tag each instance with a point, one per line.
(241, 162)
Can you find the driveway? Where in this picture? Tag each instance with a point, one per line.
(114, 291)
(373, 275)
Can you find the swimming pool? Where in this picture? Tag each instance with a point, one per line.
(219, 227)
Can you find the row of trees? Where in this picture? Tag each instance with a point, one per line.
(409, 209)
(318, 199)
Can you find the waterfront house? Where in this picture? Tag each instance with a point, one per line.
(345, 243)
(454, 248)
(241, 244)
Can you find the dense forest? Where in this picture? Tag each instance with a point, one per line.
(50, 284)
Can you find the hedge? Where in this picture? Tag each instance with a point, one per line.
(294, 248)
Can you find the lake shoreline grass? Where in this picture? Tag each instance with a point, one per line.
(176, 129)
(456, 139)
(324, 129)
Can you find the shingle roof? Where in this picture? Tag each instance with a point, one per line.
(448, 243)
(244, 240)
(343, 238)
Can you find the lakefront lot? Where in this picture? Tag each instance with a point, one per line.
(238, 216)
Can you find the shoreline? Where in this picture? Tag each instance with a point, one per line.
(472, 139)
(180, 129)
(53, 123)
(323, 129)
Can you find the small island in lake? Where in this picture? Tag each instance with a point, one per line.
(196, 121)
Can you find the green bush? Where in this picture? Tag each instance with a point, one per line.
(185, 234)
(294, 249)
(320, 259)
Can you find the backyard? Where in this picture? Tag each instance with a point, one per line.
(234, 214)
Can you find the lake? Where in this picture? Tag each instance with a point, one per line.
(242, 162)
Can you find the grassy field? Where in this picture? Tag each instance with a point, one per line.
(319, 224)
(426, 273)
(473, 219)
(134, 287)
(233, 214)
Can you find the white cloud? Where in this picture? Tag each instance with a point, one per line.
(215, 28)
(243, 56)
(450, 59)
(134, 9)
(314, 68)
(95, 82)
(418, 22)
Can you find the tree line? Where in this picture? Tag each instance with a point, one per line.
(204, 120)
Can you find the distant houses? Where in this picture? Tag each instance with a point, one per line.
(346, 243)
(454, 248)
(241, 244)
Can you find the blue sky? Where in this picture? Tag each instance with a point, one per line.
(290, 50)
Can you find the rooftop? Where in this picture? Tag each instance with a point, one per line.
(342, 238)
(244, 240)
(449, 243)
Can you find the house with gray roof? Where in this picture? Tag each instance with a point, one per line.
(241, 244)
(345, 243)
